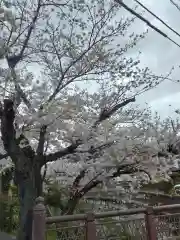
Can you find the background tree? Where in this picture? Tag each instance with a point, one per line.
(52, 53)
(145, 148)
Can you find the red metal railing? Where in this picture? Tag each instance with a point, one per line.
(152, 223)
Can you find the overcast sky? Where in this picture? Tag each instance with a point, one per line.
(160, 55)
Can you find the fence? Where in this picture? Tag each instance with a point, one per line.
(152, 223)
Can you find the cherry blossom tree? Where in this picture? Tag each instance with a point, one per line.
(66, 83)
(149, 145)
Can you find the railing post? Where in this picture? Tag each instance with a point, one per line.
(150, 224)
(39, 220)
(90, 227)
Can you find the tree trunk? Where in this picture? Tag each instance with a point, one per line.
(28, 190)
(27, 196)
(6, 208)
(27, 166)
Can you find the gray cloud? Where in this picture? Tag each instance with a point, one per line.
(160, 55)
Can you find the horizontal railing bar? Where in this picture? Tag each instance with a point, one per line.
(166, 207)
(66, 218)
(120, 213)
(77, 217)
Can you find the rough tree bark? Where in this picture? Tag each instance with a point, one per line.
(27, 168)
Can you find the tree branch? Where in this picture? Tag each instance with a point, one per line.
(92, 149)
(78, 178)
(11, 144)
(54, 4)
(40, 148)
(73, 62)
(59, 154)
(24, 144)
(13, 60)
(2, 156)
(128, 169)
(122, 169)
(19, 90)
(76, 194)
(7, 127)
(58, 88)
(107, 113)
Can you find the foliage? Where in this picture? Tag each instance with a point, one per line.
(9, 205)
(9, 215)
